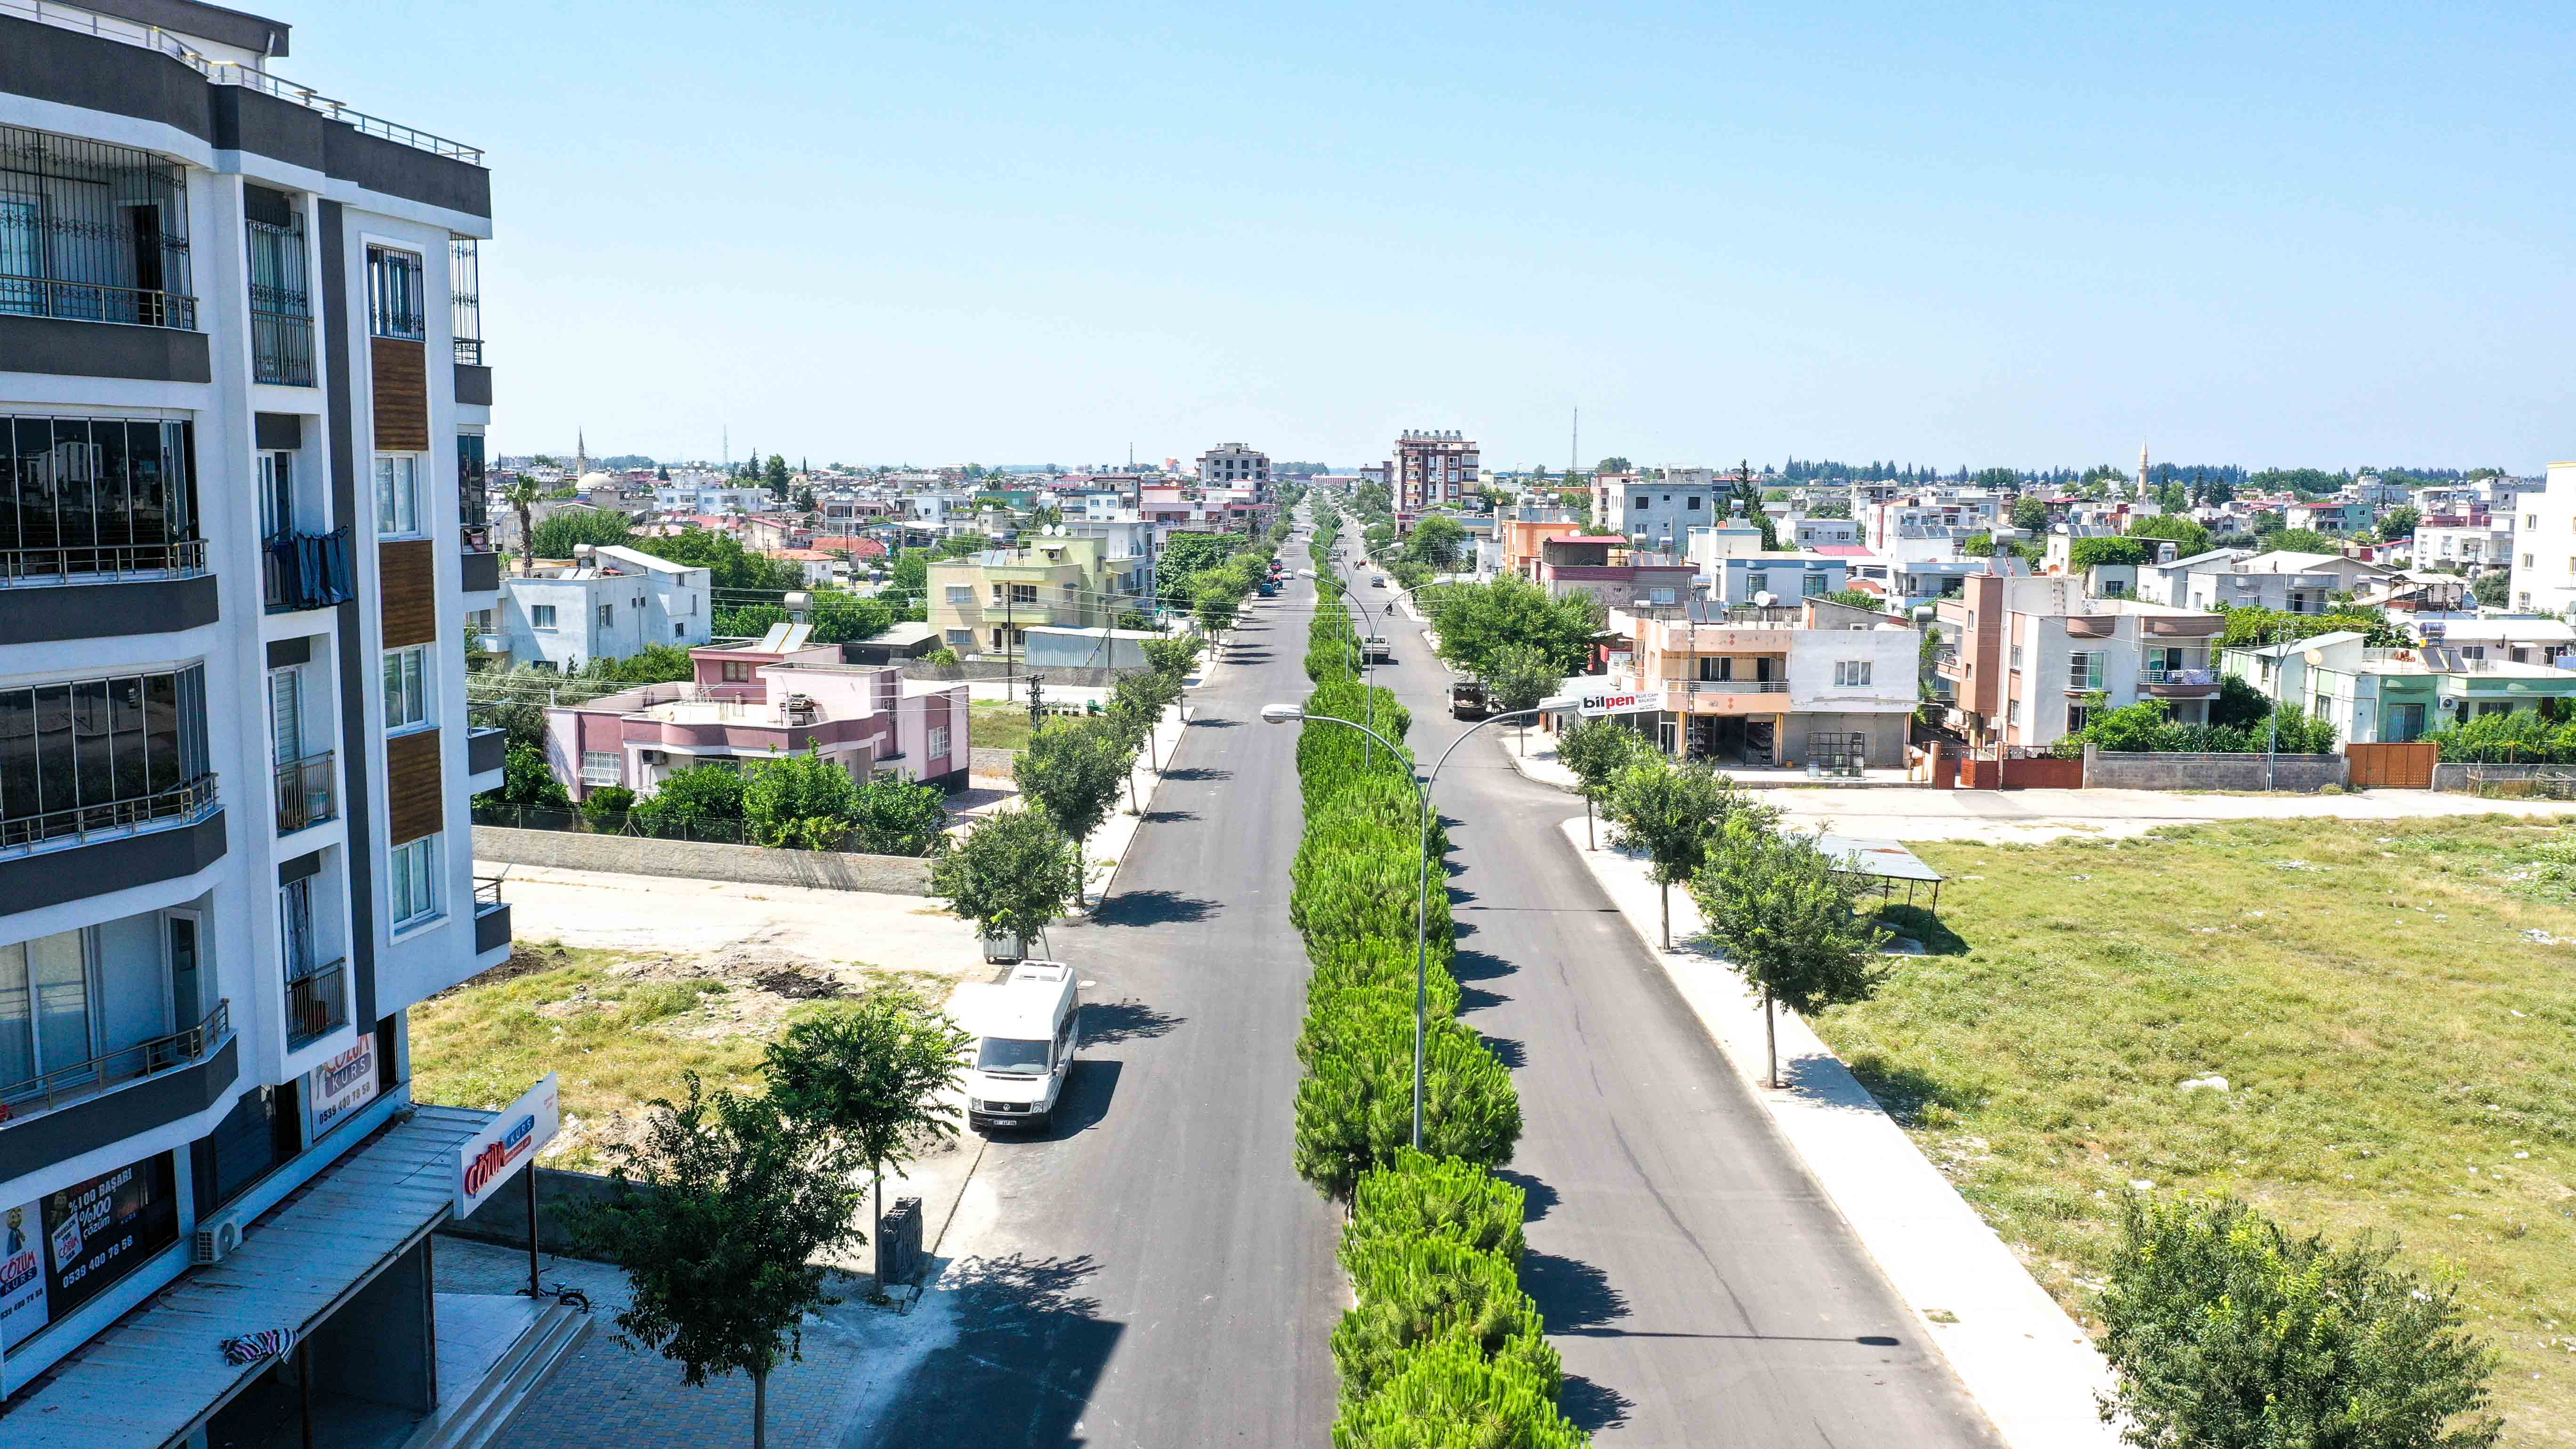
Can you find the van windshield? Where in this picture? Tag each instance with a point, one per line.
(1009, 1057)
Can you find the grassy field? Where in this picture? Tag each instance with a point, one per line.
(621, 1030)
(999, 724)
(2393, 1007)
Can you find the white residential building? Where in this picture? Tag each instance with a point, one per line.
(2544, 556)
(607, 607)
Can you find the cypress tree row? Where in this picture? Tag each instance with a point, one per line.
(1443, 1348)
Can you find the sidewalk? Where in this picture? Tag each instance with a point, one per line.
(2021, 1357)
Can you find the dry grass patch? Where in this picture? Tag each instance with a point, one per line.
(2392, 1005)
(621, 1029)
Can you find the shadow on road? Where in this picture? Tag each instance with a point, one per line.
(1537, 1196)
(1029, 1353)
(1478, 966)
(1199, 772)
(1507, 1051)
(1152, 908)
(1214, 724)
(1113, 1021)
(1167, 817)
(1592, 1407)
(1477, 998)
(1571, 1295)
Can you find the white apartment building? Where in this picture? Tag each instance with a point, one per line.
(712, 498)
(607, 606)
(241, 520)
(2544, 555)
(1661, 511)
(2030, 658)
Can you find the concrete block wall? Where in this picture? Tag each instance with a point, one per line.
(2302, 773)
(2455, 777)
(751, 864)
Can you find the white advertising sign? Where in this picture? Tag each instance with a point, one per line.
(486, 1160)
(22, 1275)
(1601, 704)
(343, 1084)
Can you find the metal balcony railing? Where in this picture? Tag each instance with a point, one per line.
(2179, 677)
(281, 348)
(487, 893)
(307, 570)
(317, 1003)
(228, 73)
(83, 824)
(101, 563)
(1731, 686)
(307, 793)
(127, 1064)
(96, 302)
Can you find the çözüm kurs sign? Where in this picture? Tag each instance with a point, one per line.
(485, 1160)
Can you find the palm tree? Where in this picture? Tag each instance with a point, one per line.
(523, 496)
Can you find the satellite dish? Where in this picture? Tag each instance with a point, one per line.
(1766, 598)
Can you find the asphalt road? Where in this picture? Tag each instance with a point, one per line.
(1158, 1275)
(1699, 1287)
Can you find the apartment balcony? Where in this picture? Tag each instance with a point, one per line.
(1948, 665)
(113, 819)
(76, 301)
(101, 563)
(307, 793)
(317, 1003)
(2092, 626)
(486, 750)
(491, 916)
(2184, 626)
(308, 571)
(66, 1085)
(1727, 696)
(281, 348)
(2179, 683)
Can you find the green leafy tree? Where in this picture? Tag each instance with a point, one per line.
(1071, 771)
(716, 1220)
(800, 802)
(560, 533)
(689, 800)
(775, 477)
(1475, 621)
(2400, 522)
(606, 805)
(526, 780)
(1856, 599)
(729, 565)
(846, 618)
(2030, 514)
(2085, 553)
(1012, 874)
(910, 571)
(1669, 812)
(894, 816)
(1784, 912)
(1174, 656)
(2303, 540)
(2188, 536)
(2492, 589)
(878, 1075)
(2228, 1332)
(1450, 1395)
(1137, 702)
(1599, 752)
(1438, 541)
(653, 664)
(1216, 603)
(522, 497)
(1517, 678)
(1355, 1103)
(1411, 1289)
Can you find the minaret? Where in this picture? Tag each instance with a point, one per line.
(580, 455)
(2142, 470)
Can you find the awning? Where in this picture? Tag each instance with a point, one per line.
(1885, 859)
(159, 1371)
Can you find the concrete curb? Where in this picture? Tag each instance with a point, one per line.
(2025, 1361)
(1122, 828)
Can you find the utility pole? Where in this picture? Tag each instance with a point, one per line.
(1574, 445)
(2280, 666)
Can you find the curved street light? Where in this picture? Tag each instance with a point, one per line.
(1376, 621)
(1422, 786)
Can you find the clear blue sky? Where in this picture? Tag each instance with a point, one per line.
(1987, 234)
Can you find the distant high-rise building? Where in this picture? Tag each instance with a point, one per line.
(1232, 465)
(1432, 468)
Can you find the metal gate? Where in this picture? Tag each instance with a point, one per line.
(2392, 767)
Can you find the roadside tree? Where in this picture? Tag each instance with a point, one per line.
(1011, 875)
(1517, 678)
(879, 1074)
(894, 816)
(716, 1220)
(800, 802)
(1598, 751)
(1669, 812)
(1476, 620)
(1784, 914)
(1071, 771)
(689, 800)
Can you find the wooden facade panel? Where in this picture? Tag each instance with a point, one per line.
(407, 581)
(414, 801)
(401, 390)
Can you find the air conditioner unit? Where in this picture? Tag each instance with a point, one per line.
(216, 1239)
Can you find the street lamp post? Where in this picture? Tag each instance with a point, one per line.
(1422, 786)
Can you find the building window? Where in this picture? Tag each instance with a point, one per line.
(2076, 717)
(93, 495)
(92, 232)
(939, 742)
(737, 671)
(2012, 714)
(2084, 669)
(679, 631)
(1024, 593)
(412, 881)
(397, 494)
(1851, 673)
(1812, 584)
(608, 616)
(406, 687)
(599, 767)
(395, 294)
(91, 753)
(541, 616)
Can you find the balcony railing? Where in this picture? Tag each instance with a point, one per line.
(2200, 678)
(82, 824)
(96, 302)
(281, 348)
(143, 1059)
(307, 793)
(307, 570)
(1730, 686)
(487, 893)
(101, 563)
(317, 1003)
(228, 73)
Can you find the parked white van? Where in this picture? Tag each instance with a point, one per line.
(1025, 1031)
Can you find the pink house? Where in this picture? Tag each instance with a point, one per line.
(751, 703)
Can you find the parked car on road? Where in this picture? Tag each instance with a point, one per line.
(1025, 1028)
